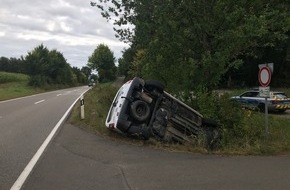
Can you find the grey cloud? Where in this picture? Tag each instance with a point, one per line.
(72, 27)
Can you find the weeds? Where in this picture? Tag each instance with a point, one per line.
(242, 131)
(97, 103)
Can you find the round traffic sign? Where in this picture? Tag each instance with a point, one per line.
(264, 76)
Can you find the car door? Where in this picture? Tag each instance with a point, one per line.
(249, 99)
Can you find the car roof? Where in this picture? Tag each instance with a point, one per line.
(257, 90)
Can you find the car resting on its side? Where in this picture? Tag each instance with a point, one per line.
(143, 108)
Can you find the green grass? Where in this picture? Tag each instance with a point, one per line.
(14, 85)
(248, 138)
(16, 89)
(97, 104)
(6, 77)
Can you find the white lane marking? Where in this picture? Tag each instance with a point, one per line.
(59, 95)
(39, 102)
(27, 170)
(4, 101)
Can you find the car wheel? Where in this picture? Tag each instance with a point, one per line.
(151, 85)
(140, 131)
(140, 110)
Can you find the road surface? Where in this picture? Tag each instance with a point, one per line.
(78, 159)
(24, 125)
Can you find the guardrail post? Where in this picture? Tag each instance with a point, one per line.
(82, 107)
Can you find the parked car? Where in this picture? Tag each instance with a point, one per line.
(144, 109)
(277, 102)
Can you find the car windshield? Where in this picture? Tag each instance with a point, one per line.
(250, 94)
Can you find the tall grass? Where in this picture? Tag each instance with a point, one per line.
(243, 131)
(97, 103)
(6, 77)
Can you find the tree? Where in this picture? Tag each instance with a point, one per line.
(87, 71)
(125, 62)
(47, 67)
(81, 77)
(13, 65)
(103, 61)
(192, 44)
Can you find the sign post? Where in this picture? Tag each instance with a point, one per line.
(264, 77)
(82, 107)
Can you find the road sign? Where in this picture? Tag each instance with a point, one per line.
(264, 92)
(264, 76)
(269, 65)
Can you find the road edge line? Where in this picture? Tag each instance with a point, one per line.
(27, 170)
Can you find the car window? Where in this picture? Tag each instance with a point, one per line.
(280, 95)
(250, 94)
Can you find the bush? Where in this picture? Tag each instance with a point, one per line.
(242, 131)
(38, 81)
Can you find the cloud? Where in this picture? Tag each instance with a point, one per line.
(71, 27)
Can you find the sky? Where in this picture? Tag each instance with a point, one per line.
(72, 27)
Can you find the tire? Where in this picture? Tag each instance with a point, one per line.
(151, 85)
(139, 131)
(140, 110)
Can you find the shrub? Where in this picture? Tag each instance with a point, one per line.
(242, 131)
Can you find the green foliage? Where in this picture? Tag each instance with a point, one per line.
(38, 81)
(80, 76)
(103, 61)
(243, 131)
(192, 44)
(12, 65)
(97, 104)
(47, 67)
(6, 77)
(125, 62)
(14, 85)
(87, 71)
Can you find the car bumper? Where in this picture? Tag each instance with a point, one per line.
(279, 107)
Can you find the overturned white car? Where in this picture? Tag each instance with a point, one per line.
(143, 108)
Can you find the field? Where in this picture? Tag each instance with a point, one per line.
(14, 85)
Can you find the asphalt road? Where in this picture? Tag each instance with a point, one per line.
(78, 159)
(24, 125)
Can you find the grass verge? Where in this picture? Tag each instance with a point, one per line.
(14, 85)
(16, 89)
(248, 138)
